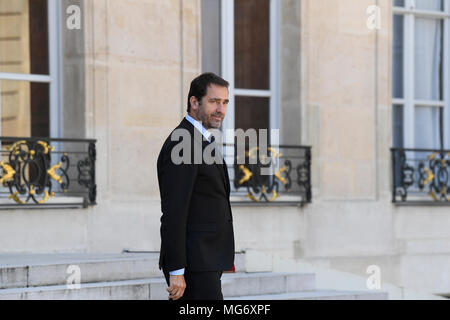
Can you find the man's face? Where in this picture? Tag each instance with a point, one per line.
(213, 107)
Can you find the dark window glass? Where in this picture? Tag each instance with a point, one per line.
(39, 103)
(397, 120)
(398, 50)
(39, 63)
(251, 112)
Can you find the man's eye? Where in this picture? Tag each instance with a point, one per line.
(218, 102)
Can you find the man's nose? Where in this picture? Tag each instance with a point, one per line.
(221, 108)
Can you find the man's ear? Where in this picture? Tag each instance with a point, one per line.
(194, 103)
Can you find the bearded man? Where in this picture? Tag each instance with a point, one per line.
(197, 239)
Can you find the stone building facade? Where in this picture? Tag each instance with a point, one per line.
(122, 78)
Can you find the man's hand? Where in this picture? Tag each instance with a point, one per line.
(177, 286)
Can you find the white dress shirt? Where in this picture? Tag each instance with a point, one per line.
(199, 126)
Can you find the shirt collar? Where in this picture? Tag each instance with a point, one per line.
(198, 125)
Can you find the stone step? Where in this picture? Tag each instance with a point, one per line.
(243, 284)
(154, 289)
(239, 284)
(317, 295)
(36, 270)
(137, 276)
(112, 290)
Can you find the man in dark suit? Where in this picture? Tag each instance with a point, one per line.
(197, 241)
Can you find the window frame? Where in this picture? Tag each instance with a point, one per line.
(409, 102)
(227, 67)
(54, 76)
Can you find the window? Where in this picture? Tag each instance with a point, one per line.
(39, 58)
(240, 42)
(29, 87)
(250, 61)
(421, 85)
(421, 100)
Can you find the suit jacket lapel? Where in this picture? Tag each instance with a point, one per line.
(221, 167)
(223, 173)
(227, 178)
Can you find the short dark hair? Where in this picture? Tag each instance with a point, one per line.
(199, 86)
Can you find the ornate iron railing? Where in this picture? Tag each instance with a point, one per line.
(420, 176)
(283, 176)
(39, 172)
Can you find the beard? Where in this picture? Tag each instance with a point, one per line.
(211, 121)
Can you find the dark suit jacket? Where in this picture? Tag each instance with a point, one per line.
(196, 222)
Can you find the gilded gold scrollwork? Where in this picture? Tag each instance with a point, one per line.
(248, 175)
(53, 175)
(9, 172)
